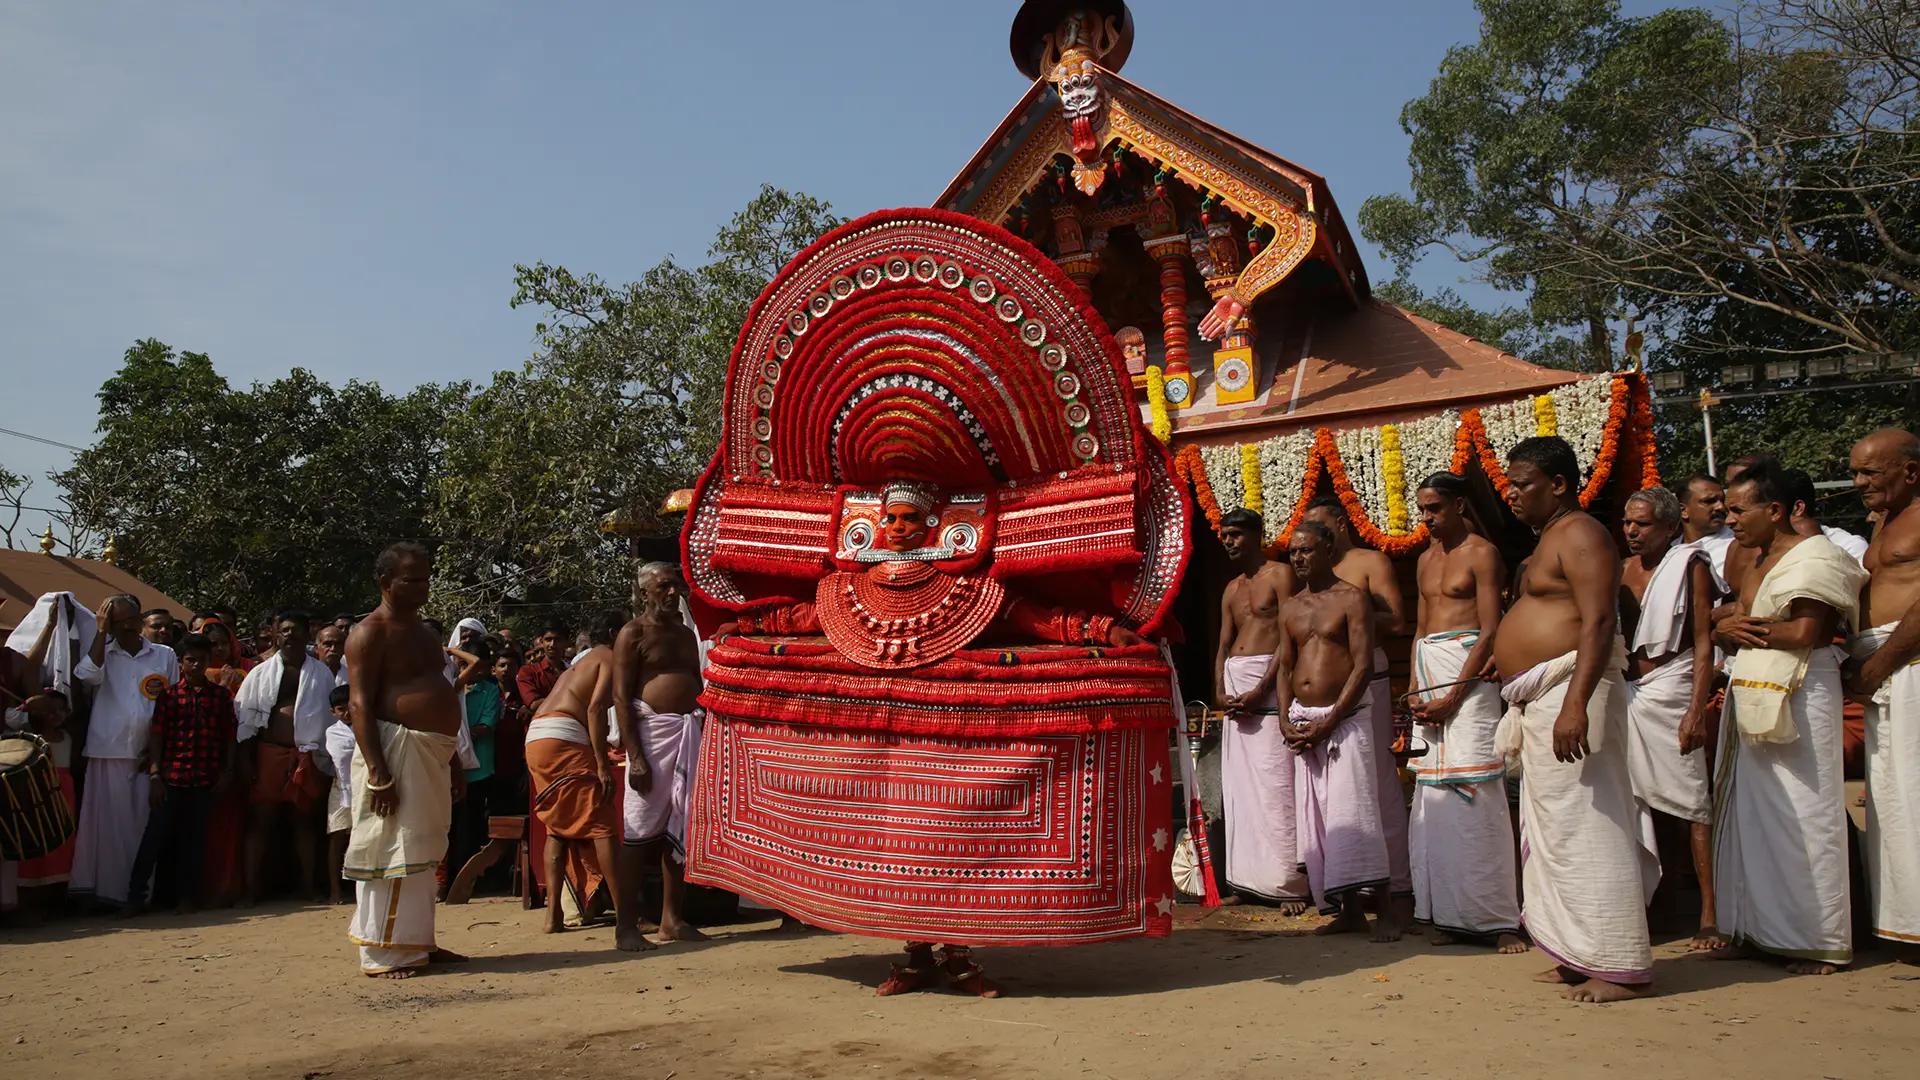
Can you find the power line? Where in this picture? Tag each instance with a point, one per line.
(38, 439)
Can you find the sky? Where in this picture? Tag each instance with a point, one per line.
(346, 187)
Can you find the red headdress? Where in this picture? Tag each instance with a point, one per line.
(921, 345)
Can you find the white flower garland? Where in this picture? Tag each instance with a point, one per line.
(1427, 445)
(1360, 454)
(1223, 475)
(1283, 475)
(1581, 408)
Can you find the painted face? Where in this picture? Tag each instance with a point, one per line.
(1309, 554)
(1754, 520)
(904, 527)
(1705, 507)
(1643, 531)
(1532, 495)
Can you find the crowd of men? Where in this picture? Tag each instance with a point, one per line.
(1707, 675)
(212, 769)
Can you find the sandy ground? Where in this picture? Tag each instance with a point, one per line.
(1240, 992)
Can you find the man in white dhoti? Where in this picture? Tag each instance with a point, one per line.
(1256, 764)
(1886, 674)
(1319, 676)
(1372, 573)
(128, 674)
(1780, 823)
(1703, 519)
(1670, 672)
(405, 715)
(1585, 867)
(1460, 838)
(656, 690)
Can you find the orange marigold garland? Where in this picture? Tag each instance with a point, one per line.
(1642, 421)
(1187, 465)
(1610, 434)
(1363, 525)
(1490, 463)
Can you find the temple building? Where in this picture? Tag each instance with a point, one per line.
(1258, 351)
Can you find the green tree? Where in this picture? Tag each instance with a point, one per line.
(277, 495)
(620, 406)
(1532, 138)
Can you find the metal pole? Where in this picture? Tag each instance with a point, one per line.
(1706, 427)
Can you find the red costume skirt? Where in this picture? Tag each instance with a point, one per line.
(970, 831)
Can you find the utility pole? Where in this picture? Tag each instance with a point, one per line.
(1706, 404)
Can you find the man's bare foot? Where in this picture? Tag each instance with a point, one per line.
(1401, 909)
(1565, 975)
(1708, 939)
(905, 980)
(396, 973)
(1441, 937)
(446, 956)
(1509, 944)
(632, 941)
(1292, 909)
(679, 931)
(1349, 921)
(1811, 967)
(1600, 992)
(1729, 951)
(1387, 930)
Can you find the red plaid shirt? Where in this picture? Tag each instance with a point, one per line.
(196, 727)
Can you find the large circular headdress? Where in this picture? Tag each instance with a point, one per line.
(926, 346)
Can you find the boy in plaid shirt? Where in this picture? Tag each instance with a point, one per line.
(190, 759)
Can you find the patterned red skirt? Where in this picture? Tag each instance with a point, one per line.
(962, 830)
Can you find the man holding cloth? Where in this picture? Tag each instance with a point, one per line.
(128, 674)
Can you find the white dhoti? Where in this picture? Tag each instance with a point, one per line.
(1257, 793)
(1588, 862)
(1780, 827)
(1391, 797)
(113, 818)
(1460, 836)
(670, 745)
(393, 858)
(1663, 778)
(1893, 797)
(1341, 843)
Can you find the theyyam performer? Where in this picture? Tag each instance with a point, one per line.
(939, 534)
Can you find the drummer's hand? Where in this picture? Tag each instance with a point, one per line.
(383, 803)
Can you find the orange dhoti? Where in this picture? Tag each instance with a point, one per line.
(285, 775)
(567, 802)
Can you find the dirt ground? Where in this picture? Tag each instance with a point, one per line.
(1239, 992)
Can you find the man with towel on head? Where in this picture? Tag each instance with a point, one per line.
(1256, 764)
(656, 688)
(1461, 834)
(404, 715)
(1886, 674)
(1780, 823)
(1372, 573)
(1672, 590)
(1320, 675)
(1588, 865)
(570, 780)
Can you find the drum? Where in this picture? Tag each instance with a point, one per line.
(35, 817)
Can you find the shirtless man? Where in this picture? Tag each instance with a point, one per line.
(1886, 473)
(1256, 765)
(1460, 836)
(1319, 674)
(1559, 653)
(656, 691)
(404, 715)
(1372, 573)
(1667, 594)
(1703, 518)
(572, 782)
